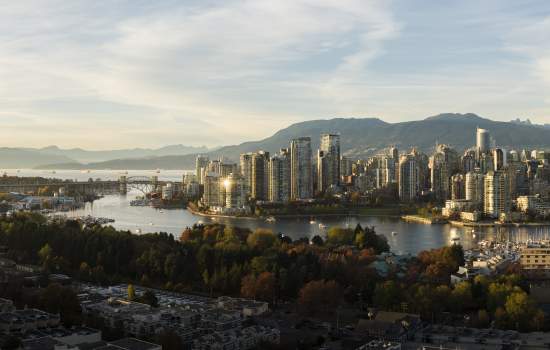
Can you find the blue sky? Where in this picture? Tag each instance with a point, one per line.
(112, 74)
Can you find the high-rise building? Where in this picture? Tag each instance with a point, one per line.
(499, 159)
(301, 182)
(227, 168)
(245, 166)
(346, 166)
(496, 195)
(235, 196)
(468, 161)
(443, 164)
(213, 195)
(328, 162)
(259, 187)
(214, 166)
(279, 177)
(201, 162)
(409, 181)
(486, 162)
(458, 187)
(483, 141)
(474, 187)
(439, 174)
(394, 154)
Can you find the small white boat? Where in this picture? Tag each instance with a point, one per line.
(312, 222)
(151, 224)
(138, 231)
(322, 226)
(271, 219)
(158, 171)
(393, 233)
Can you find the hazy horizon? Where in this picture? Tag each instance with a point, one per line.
(113, 75)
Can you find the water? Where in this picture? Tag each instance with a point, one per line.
(81, 175)
(410, 238)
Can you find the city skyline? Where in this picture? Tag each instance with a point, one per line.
(157, 74)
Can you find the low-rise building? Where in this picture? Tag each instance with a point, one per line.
(20, 321)
(535, 257)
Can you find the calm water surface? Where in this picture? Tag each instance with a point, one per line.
(408, 237)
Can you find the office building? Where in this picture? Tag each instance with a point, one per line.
(483, 141)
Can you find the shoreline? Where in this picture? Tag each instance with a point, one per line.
(288, 216)
(496, 224)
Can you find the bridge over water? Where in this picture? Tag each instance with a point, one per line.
(122, 185)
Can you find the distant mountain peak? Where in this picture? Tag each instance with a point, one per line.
(457, 117)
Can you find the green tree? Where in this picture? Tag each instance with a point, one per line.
(63, 300)
(387, 295)
(522, 312)
(131, 292)
(340, 236)
(262, 239)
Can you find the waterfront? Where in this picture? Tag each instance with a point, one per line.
(410, 237)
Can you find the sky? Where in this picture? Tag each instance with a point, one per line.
(116, 74)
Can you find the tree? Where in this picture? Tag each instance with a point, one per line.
(84, 271)
(461, 296)
(317, 240)
(261, 287)
(319, 295)
(261, 239)
(522, 313)
(131, 292)
(387, 295)
(63, 300)
(45, 254)
(340, 236)
(483, 319)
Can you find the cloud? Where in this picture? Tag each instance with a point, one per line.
(107, 74)
(223, 62)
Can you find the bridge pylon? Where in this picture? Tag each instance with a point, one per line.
(123, 182)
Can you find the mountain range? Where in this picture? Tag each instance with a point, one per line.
(36, 157)
(360, 137)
